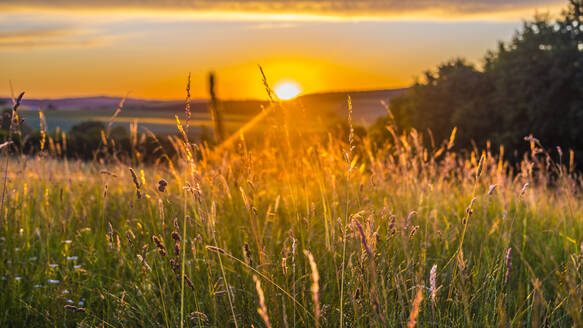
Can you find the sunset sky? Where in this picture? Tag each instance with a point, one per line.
(91, 47)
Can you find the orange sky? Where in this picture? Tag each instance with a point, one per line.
(99, 48)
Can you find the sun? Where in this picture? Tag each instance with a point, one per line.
(286, 90)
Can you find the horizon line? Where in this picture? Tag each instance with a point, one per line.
(332, 91)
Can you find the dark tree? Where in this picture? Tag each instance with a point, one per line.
(533, 84)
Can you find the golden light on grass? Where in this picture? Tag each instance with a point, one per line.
(286, 90)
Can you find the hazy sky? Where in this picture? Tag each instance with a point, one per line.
(146, 47)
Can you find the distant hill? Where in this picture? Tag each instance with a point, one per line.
(105, 102)
(367, 105)
(98, 102)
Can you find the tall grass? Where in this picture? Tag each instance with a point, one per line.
(406, 236)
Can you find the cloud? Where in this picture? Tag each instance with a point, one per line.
(47, 36)
(271, 26)
(24, 44)
(341, 8)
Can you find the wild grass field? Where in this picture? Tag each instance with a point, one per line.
(297, 231)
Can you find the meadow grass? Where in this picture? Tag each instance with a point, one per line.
(294, 233)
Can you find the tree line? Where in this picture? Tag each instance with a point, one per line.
(532, 84)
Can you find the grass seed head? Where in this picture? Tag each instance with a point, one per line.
(215, 249)
(131, 237)
(174, 265)
(247, 253)
(176, 236)
(315, 285)
(136, 182)
(491, 189)
(480, 166)
(188, 282)
(432, 282)
(74, 308)
(284, 266)
(196, 316)
(176, 226)
(415, 309)
(413, 231)
(144, 263)
(523, 190)
(177, 249)
(508, 265)
(470, 208)
(262, 310)
(363, 237)
(161, 185)
(161, 248)
(392, 225)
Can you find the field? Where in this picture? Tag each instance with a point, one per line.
(159, 122)
(300, 231)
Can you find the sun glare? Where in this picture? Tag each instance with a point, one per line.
(287, 90)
